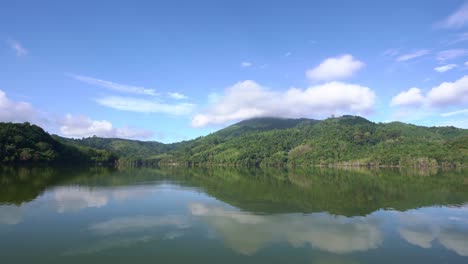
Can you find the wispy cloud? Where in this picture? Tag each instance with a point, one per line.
(445, 68)
(177, 96)
(451, 54)
(459, 112)
(246, 64)
(114, 86)
(17, 47)
(391, 52)
(461, 37)
(413, 55)
(145, 106)
(457, 19)
(287, 54)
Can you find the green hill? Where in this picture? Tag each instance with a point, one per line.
(121, 147)
(347, 140)
(342, 141)
(27, 143)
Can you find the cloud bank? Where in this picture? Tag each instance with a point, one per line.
(446, 94)
(249, 99)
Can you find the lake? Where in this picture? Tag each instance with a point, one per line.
(225, 215)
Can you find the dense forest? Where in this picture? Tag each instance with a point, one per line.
(123, 148)
(263, 142)
(26, 143)
(347, 140)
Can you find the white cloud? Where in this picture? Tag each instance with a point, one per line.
(114, 86)
(450, 93)
(81, 126)
(451, 54)
(446, 94)
(248, 99)
(68, 125)
(145, 106)
(177, 96)
(458, 19)
(466, 63)
(14, 111)
(445, 68)
(413, 55)
(246, 64)
(18, 48)
(459, 112)
(335, 68)
(287, 54)
(412, 97)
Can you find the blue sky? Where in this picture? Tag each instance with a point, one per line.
(175, 70)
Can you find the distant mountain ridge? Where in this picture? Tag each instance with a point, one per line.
(270, 141)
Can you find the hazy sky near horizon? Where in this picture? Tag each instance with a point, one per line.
(175, 70)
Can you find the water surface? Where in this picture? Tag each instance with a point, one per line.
(179, 215)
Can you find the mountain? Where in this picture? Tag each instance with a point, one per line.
(30, 143)
(121, 147)
(342, 141)
(261, 124)
(347, 140)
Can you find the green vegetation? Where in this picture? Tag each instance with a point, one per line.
(348, 140)
(26, 143)
(123, 148)
(343, 141)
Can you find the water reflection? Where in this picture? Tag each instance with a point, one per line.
(71, 199)
(108, 244)
(249, 216)
(10, 214)
(424, 229)
(138, 223)
(247, 233)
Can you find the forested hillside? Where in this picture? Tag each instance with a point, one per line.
(347, 140)
(343, 141)
(123, 148)
(27, 143)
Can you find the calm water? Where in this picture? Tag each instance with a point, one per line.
(97, 215)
